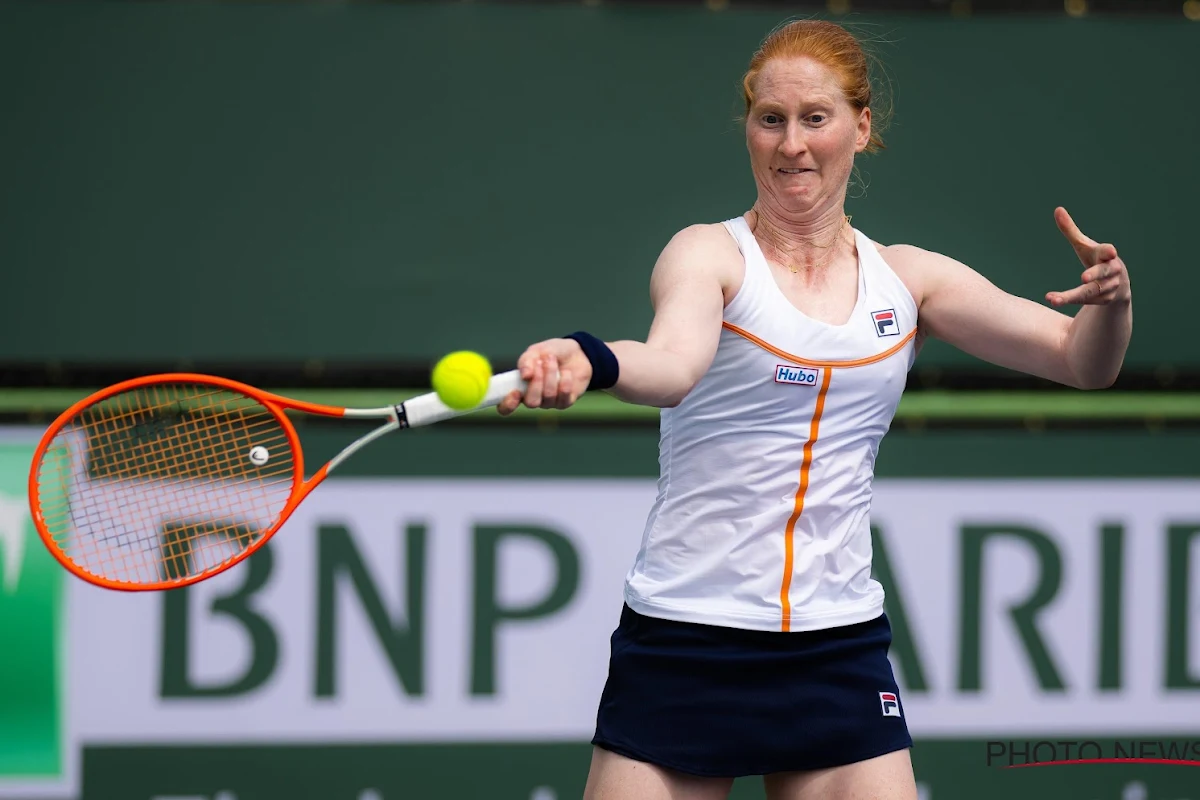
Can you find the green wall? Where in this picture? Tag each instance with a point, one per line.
(506, 451)
(244, 181)
(952, 769)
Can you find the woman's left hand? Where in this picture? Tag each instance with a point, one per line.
(1105, 279)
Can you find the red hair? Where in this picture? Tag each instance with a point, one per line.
(828, 44)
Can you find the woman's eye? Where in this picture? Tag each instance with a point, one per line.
(817, 118)
(771, 119)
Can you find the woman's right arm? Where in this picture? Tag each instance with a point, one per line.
(687, 290)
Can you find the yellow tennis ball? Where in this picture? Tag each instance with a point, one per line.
(461, 379)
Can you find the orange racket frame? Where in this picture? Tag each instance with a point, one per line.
(418, 411)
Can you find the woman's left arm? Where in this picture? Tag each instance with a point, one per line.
(961, 307)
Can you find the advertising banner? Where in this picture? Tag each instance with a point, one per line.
(417, 638)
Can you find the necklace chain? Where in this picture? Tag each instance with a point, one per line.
(830, 247)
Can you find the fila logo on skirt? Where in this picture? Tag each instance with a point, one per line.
(890, 704)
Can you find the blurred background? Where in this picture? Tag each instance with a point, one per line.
(321, 198)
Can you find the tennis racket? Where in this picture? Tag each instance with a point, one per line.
(163, 481)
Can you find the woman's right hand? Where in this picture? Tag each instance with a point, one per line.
(557, 373)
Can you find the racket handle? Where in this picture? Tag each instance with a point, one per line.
(427, 409)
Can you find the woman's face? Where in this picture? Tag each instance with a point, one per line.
(802, 134)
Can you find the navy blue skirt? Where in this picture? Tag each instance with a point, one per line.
(725, 702)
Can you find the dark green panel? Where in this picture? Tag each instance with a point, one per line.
(497, 451)
(558, 771)
(234, 181)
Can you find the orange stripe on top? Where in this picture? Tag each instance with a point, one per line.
(790, 532)
(814, 428)
(807, 362)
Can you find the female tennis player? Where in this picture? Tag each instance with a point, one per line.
(753, 639)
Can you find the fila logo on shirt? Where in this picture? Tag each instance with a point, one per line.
(890, 704)
(797, 375)
(885, 322)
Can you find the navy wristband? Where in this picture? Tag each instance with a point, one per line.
(605, 369)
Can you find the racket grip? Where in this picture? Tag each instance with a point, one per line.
(427, 409)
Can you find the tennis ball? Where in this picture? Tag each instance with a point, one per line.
(259, 455)
(461, 379)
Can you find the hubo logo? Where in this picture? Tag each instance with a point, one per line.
(31, 585)
(797, 375)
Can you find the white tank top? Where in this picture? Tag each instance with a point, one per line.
(762, 514)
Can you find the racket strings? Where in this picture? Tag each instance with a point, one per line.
(157, 483)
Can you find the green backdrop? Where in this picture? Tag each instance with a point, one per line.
(354, 181)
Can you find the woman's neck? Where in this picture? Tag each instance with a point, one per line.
(799, 243)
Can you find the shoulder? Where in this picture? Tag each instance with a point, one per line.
(703, 251)
(909, 256)
(704, 241)
(919, 269)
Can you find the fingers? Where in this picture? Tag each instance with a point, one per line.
(1076, 296)
(549, 384)
(566, 397)
(1071, 230)
(1104, 283)
(550, 380)
(559, 388)
(536, 378)
(510, 402)
(1102, 256)
(1107, 267)
(1090, 251)
(1094, 292)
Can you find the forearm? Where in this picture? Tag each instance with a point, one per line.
(1096, 343)
(650, 376)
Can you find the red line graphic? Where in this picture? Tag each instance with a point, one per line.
(1181, 762)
